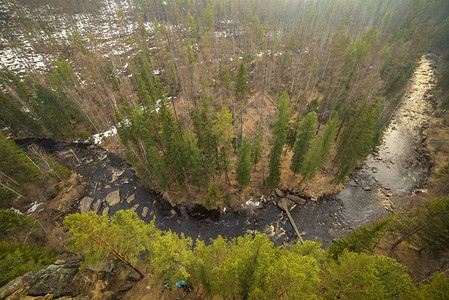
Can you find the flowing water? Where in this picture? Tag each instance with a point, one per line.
(400, 166)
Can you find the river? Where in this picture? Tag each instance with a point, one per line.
(399, 166)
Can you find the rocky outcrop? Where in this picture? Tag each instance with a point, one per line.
(64, 279)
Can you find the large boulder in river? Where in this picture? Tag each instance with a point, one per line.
(113, 198)
(85, 204)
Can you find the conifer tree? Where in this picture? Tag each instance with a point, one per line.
(172, 142)
(192, 159)
(212, 197)
(15, 163)
(244, 164)
(13, 117)
(319, 152)
(204, 130)
(356, 140)
(279, 134)
(257, 149)
(302, 144)
(224, 134)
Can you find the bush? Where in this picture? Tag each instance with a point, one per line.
(18, 259)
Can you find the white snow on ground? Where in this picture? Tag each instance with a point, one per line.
(98, 138)
(16, 210)
(252, 202)
(34, 207)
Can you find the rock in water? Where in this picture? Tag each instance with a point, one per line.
(85, 204)
(279, 193)
(297, 199)
(105, 211)
(113, 198)
(367, 188)
(131, 198)
(134, 208)
(145, 211)
(96, 206)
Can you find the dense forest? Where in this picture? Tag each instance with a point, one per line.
(186, 83)
(211, 98)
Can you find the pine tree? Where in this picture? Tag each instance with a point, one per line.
(435, 233)
(13, 117)
(223, 130)
(302, 144)
(319, 152)
(15, 163)
(360, 240)
(279, 134)
(192, 159)
(356, 140)
(212, 197)
(244, 164)
(204, 130)
(257, 149)
(172, 142)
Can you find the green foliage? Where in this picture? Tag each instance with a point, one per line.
(302, 144)
(356, 140)
(437, 288)
(13, 116)
(11, 221)
(53, 111)
(243, 168)
(192, 159)
(319, 152)
(257, 148)
(358, 276)
(172, 141)
(123, 238)
(435, 234)
(249, 267)
(212, 197)
(444, 170)
(204, 129)
(18, 259)
(225, 78)
(59, 170)
(360, 240)
(15, 163)
(241, 88)
(279, 134)
(6, 197)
